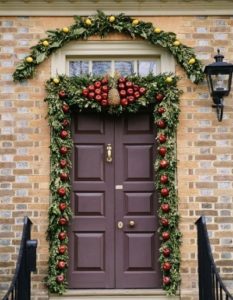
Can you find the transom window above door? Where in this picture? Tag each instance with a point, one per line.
(125, 67)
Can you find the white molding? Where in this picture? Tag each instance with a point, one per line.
(131, 7)
(111, 48)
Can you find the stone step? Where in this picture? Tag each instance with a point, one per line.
(138, 294)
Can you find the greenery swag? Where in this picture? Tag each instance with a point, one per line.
(101, 25)
(68, 93)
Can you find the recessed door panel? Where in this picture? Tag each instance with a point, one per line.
(89, 204)
(139, 203)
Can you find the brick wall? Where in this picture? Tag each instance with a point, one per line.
(205, 147)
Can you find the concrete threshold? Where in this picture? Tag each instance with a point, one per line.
(113, 294)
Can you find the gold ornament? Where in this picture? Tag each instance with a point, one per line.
(65, 29)
(56, 80)
(29, 59)
(88, 22)
(157, 30)
(111, 19)
(45, 43)
(192, 61)
(168, 79)
(176, 43)
(135, 22)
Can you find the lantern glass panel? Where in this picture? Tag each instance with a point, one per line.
(220, 82)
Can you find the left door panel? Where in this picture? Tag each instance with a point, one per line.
(91, 232)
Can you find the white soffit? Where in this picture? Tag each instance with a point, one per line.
(133, 8)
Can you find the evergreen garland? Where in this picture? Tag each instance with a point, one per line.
(101, 25)
(64, 94)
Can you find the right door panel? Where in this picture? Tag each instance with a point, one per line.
(135, 205)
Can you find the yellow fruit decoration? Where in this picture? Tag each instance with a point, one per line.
(111, 19)
(157, 30)
(88, 22)
(192, 61)
(29, 59)
(56, 80)
(135, 22)
(168, 79)
(65, 29)
(176, 43)
(45, 43)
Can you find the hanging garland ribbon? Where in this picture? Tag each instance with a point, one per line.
(68, 93)
(101, 25)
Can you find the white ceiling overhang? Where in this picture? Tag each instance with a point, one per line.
(133, 8)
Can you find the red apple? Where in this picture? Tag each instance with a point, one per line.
(104, 81)
(65, 123)
(62, 249)
(159, 97)
(97, 84)
(65, 107)
(63, 163)
(136, 87)
(130, 91)
(60, 278)
(64, 176)
(62, 94)
(91, 88)
(124, 102)
(62, 235)
(161, 124)
(64, 150)
(104, 96)
(162, 138)
(130, 99)
(166, 280)
(162, 151)
(98, 91)
(62, 221)
(104, 88)
(164, 164)
(165, 207)
(98, 98)
(166, 252)
(85, 92)
(137, 95)
(61, 264)
(165, 236)
(123, 93)
(164, 222)
(164, 192)
(61, 191)
(161, 110)
(167, 266)
(121, 86)
(122, 80)
(164, 179)
(104, 102)
(91, 95)
(129, 84)
(62, 206)
(64, 134)
(142, 90)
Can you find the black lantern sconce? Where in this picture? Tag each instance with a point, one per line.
(219, 78)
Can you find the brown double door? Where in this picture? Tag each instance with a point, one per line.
(113, 240)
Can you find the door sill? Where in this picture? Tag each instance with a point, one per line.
(115, 294)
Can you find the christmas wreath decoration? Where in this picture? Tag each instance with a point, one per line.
(101, 25)
(113, 96)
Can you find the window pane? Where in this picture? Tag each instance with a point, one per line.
(78, 67)
(101, 67)
(146, 67)
(124, 67)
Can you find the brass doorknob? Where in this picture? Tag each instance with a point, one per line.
(131, 223)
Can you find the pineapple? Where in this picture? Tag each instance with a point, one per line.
(113, 94)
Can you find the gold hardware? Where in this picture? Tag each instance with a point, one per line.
(131, 223)
(109, 153)
(120, 225)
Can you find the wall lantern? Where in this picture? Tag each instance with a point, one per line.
(219, 77)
